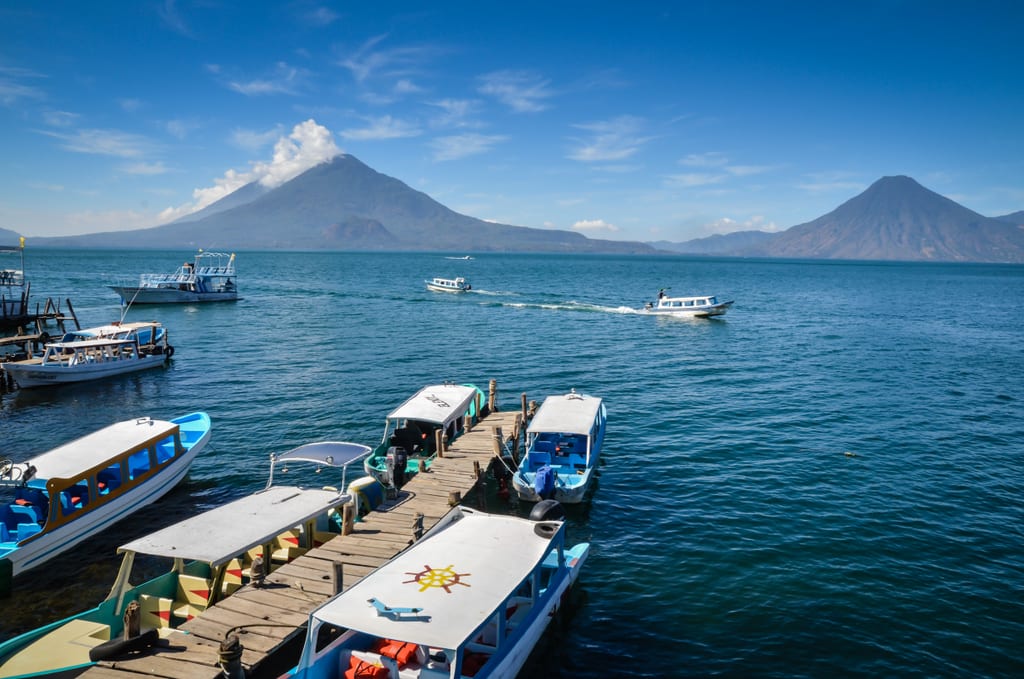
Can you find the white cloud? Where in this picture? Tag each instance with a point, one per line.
(12, 90)
(727, 225)
(397, 62)
(594, 225)
(455, 113)
(129, 105)
(384, 127)
(308, 145)
(253, 140)
(614, 139)
(523, 91)
(59, 118)
(284, 79)
(691, 179)
(104, 143)
(462, 145)
(180, 129)
(709, 159)
(144, 168)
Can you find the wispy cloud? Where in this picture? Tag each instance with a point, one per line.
(594, 225)
(283, 79)
(318, 16)
(690, 179)
(827, 182)
(103, 142)
(59, 118)
(180, 128)
(129, 105)
(254, 140)
(714, 168)
(308, 145)
(463, 145)
(13, 88)
(371, 61)
(727, 225)
(522, 91)
(384, 127)
(455, 113)
(144, 168)
(614, 139)
(169, 14)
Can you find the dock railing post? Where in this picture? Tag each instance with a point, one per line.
(347, 520)
(337, 576)
(492, 397)
(440, 442)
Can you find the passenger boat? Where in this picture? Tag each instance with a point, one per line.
(209, 278)
(448, 285)
(470, 599)
(697, 307)
(208, 557)
(563, 445)
(14, 291)
(411, 430)
(64, 497)
(126, 348)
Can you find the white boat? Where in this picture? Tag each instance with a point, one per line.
(699, 306)
(470, 599)
(14, 291)
(128, 347)
(563, 447)
(69, 494)
(448, 285)
(208, 557)
(209, 278)
(410, 430)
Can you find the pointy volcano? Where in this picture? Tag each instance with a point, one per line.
(898, 219)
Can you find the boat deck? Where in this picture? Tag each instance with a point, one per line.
(266, 619)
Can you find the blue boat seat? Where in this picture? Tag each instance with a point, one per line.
(30, 514)
(539, 459)
(4, 535)
(577, 461)
(26, 530)
(544, 446)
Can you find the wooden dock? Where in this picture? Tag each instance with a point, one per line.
(268, 619)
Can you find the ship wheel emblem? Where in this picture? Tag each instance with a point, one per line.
(444, 578)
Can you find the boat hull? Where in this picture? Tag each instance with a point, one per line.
(137, 295)
(696, 312)
(566, 494)
(41, 375)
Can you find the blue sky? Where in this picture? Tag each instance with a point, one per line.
(629, 121)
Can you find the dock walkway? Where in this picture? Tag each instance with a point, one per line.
(266, 619)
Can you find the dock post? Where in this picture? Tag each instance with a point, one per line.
(522, 405)
(230, 659)
(337, 576)
(417, 526)
(496, 441)
(492, 397)
(347, 520)
(454, 498)
(440, 442)
(520, 429)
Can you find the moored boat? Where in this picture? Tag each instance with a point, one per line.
(14, 291)
(210, 277)
(470, 599)
(110, 350)
(411, 430)
(208, 558)
(704, 306)
(564, 441)
(449, 285)
(65, 496)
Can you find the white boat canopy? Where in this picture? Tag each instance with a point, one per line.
(457, 578)
(569, 414)
(437, 404)
(220, 534)
(328, 453)
(98, 447)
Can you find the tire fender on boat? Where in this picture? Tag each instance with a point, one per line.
(119, 647)
(170, 351)
(546, 529)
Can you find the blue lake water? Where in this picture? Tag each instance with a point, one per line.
(828, 481)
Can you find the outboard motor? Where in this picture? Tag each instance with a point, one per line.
(547, 510)
(395, 463)
(544, 482)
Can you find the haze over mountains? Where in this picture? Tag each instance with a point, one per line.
(345, 205)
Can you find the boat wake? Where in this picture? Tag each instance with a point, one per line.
(571, 305)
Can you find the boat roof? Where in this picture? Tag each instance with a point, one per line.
(96, 342)
(113, 328)
(437, 404)
(96, 448)
(568, 414)
(457, 577)
(222, 533)
(330, 453)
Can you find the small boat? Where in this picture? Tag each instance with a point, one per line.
(470, 599)
(697, 307)
(109, 350)
(448, 285)
(65, 496)
(14, 291)
(563, 446)
(208, 557)
(209, 278)
(412, 429)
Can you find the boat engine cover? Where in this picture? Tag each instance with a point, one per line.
(544, 482)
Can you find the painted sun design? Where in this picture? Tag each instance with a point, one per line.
(444, 578)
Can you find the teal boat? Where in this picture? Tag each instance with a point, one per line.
(411, 431)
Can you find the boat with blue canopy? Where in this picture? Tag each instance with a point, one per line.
(563, 447)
